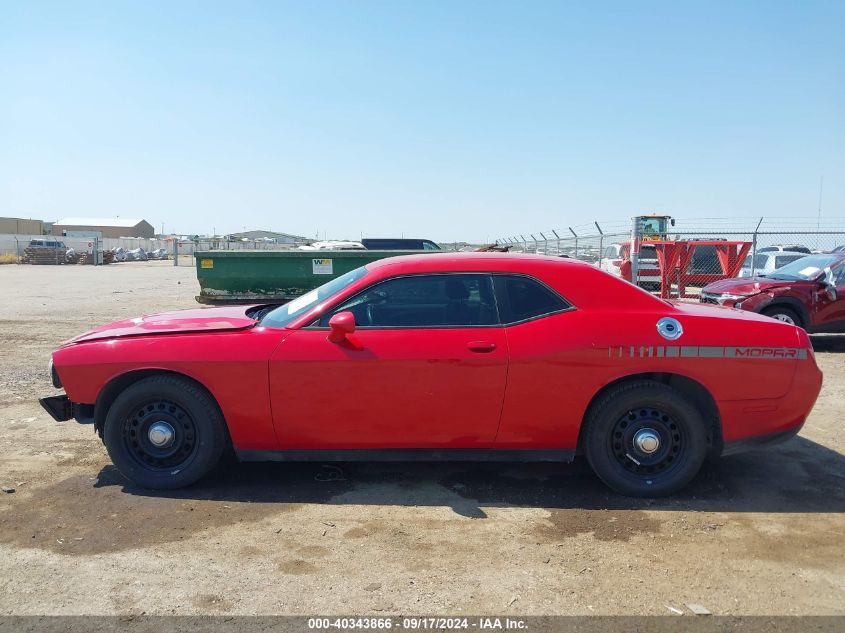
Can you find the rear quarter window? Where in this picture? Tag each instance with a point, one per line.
(523, 298)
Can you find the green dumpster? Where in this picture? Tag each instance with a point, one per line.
(269, 276)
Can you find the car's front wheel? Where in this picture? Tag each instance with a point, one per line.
(784, 314)
(645, 439)
(164, 432)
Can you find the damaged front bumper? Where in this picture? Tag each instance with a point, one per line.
(62, 409)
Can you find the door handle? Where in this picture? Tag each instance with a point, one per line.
(482, 347)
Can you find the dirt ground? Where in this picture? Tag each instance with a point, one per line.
(760, 533)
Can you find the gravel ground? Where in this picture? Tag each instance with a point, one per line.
(760, 533)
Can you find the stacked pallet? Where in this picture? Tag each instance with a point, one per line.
(44, 256)
(88, 258)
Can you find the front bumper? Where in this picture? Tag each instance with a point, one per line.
(61, 409)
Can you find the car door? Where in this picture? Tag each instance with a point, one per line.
(425, 368)
(546, 371)
(830, 313)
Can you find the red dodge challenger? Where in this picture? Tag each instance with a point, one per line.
(475, 356)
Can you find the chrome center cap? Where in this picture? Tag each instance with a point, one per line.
(647, 441)
(161, 434)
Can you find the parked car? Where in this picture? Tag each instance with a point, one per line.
(839, 249)
(408, 358)
(793, 248)
(398, 244)
(50, 251)
(704, 262)
(768, 262)
(47, 243)
(333, 245)
(616, 260)
(808, 292)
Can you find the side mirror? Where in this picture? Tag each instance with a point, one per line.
(342, 324)
(829, 290)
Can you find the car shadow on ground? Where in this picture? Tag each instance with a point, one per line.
(828, 342)
(797, 476)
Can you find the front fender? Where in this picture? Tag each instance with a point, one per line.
(231, 366)
(758, 303)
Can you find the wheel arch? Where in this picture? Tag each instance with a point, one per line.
(793, 304)
(117, 384)
(684, 384)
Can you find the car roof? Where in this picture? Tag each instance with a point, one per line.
(469, 262)
(782, 253)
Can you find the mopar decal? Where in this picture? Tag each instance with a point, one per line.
(765, 352)
(696, 351)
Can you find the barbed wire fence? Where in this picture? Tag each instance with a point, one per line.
(712, 247)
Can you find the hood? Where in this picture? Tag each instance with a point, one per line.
(178, 322)
(747, 285)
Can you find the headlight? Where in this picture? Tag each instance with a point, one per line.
(729, 299)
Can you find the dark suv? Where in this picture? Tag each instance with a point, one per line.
(808, 292)
(398, 244)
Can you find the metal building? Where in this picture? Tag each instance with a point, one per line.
(104, 227)
(20, 226)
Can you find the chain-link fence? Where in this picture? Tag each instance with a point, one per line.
(179, 252)
(71, 249)
(15, 246)
(679, 261)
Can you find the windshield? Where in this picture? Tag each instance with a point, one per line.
(283, 315)
(652, 226)
(805, 268)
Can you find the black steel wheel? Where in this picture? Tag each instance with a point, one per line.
(647, 441)
(160, 435)
(164, 432)
(644, 438)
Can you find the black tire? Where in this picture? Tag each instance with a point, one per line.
(782, 313)
(197, 432)
(625, 415)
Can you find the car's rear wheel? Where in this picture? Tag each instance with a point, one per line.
(164, 432)
(784, 314)
(645, 439)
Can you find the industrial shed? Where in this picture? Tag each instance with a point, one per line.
(105, 227)
(20, 226)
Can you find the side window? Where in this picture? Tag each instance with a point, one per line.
(783, 260)
(522, 298)
(424, 301)
(610, 252)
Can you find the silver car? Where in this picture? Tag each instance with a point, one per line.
(615, 255)
(768, 262)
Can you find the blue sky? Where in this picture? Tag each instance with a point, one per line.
(448, 120)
